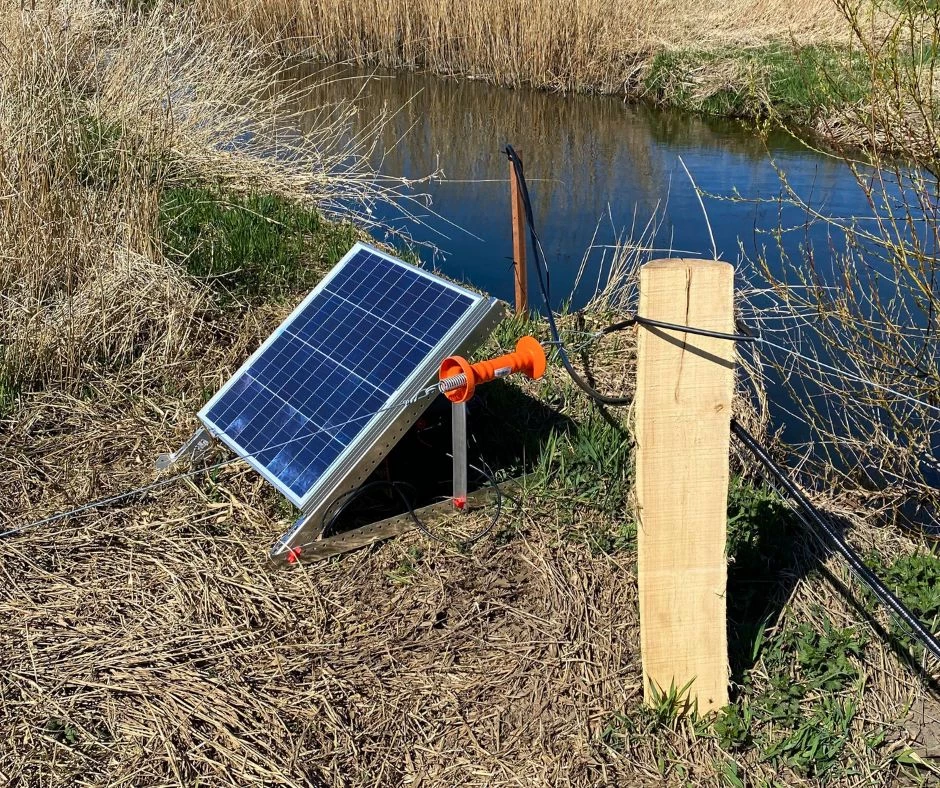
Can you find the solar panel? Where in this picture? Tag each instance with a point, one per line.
(318, 392)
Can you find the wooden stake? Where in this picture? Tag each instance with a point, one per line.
(518, 243)
(685, 384)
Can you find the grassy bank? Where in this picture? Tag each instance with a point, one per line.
(795, 60)
(99, 123)
(149, 245)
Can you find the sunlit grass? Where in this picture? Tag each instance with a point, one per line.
(254, 248)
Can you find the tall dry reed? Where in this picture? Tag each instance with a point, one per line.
(101, 110)
(588, 45)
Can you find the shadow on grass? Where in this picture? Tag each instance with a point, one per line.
(765, 564)
(506, 431)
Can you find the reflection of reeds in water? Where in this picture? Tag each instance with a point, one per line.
(585, 145)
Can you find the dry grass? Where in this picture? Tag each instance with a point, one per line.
(99, 112)
(149, 643)
(199, 662)
(595, 45)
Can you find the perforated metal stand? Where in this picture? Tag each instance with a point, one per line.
(459, 453)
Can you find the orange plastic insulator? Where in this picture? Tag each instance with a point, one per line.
(528, 358)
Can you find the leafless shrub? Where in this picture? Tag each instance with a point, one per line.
(864, 311)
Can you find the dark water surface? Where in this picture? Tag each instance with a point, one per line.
(598, 168)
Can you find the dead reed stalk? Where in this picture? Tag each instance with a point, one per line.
(573, 45)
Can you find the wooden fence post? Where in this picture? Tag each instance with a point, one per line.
(518, 243)
(685, 384)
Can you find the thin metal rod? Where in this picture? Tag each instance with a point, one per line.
(520, 269)
(459, 438)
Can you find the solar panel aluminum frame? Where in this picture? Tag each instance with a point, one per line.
(384, 434)
(482, 307)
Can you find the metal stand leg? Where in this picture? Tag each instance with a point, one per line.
(459, 439)
(194, 448)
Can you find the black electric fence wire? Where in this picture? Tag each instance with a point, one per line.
(830, 536)
(345, 502)
(810, 516)
(542, 276)
(137, 491)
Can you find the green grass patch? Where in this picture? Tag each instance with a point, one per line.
(915, 580)
(776, 79)
(812, 697)
(589, 463)
(253, 248)
(586, 468)
(97, 151)
(797, 711)
(762, 534)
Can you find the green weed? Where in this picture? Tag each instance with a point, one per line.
(98, 159)
(732, 726)
(728, 771)
(9, 390)
(585, 469)
(61, 730)
(812, 696)
(256, 247)
(915, 579)
(653, 725)
(761, 538)
(404, 573)
(793, 84)
(592, 464)
(668, 704)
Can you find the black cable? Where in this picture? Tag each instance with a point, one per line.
(542, 275)
(702, 332)
(824, 530)
(621, 326)
(341, 504)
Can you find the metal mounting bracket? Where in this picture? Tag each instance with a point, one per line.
(193, 449)
(366, 535)
(308, 528)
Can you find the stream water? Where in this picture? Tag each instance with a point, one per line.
(598, 169)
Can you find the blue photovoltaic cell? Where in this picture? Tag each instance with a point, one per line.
(316, 383)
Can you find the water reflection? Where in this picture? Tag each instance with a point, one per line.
(590, 159)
